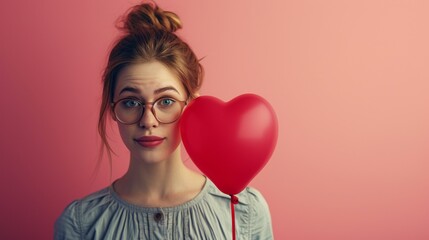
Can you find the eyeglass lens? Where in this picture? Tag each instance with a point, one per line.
(130, 111)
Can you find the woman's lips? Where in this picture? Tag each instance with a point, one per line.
(149, 141)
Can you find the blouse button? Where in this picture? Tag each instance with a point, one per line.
(158, 217)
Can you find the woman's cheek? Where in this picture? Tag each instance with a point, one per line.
(175, 134)
(126, 136)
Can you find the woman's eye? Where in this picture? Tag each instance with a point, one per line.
(166, 102)
(131, 103)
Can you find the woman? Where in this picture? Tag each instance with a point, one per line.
(150, 77)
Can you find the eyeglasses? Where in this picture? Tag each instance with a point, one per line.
(131, 110)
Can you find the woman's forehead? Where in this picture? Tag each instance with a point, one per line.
(147, 77)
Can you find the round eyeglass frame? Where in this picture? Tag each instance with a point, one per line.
(151, 104)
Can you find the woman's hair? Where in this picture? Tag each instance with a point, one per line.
(149, 35)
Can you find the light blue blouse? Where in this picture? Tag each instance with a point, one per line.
(104, 215)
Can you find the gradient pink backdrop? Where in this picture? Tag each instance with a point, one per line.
(349, 81)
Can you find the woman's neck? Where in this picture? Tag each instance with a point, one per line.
(164, 183)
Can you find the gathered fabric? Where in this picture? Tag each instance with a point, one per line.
(104, 215)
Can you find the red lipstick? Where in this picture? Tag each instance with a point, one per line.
(149, 141)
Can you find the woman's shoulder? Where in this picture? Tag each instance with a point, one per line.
(93, 200)
(69, 223)
(249, 195)
(252, 210)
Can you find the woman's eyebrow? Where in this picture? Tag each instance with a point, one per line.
(157, 91)
(129, 89)
(168, 88)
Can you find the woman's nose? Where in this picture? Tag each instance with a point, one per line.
(148, 119)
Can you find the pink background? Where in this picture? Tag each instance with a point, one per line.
(349, 81)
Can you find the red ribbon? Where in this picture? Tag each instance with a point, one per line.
(234, 200)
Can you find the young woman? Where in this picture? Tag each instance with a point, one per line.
(150, 77)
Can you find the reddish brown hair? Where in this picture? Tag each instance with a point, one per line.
(149, 35)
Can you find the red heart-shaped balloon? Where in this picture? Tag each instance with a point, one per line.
(229, 142)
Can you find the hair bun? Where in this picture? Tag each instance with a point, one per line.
(149, 16)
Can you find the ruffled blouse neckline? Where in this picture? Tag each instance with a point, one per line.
(134, 207)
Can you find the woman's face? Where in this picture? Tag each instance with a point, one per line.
(149, 140)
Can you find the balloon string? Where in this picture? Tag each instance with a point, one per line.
(234, 200)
